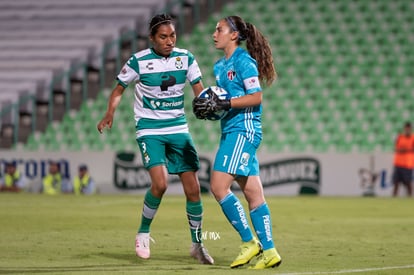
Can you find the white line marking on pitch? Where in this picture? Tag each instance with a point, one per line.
(352, 270)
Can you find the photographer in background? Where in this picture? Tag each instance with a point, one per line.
(13, 180)
(83, 182)
(404, 160)
(54, 183)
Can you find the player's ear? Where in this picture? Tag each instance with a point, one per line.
(234, 36)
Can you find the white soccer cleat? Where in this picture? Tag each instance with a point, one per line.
(199, 252)
(142, 245)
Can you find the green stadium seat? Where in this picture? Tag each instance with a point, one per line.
(345, 79)
(32, 144)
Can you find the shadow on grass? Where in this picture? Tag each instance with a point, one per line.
(174, 262)
(126, 257)
(165, 261)
(63, 269)
(138, 266)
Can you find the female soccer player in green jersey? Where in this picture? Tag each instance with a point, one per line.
(159, 74)
(240, 72)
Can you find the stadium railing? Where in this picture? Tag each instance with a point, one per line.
(112, 54)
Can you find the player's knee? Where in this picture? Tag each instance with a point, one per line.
(193, 196)
(192, 191)
(159, 189)
(218, 191)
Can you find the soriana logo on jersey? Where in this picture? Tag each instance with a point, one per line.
(164, 103)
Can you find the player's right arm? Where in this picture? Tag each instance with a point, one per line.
(128, 74)
(113, 103)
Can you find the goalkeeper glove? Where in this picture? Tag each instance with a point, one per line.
(200, 107)
(217, 104)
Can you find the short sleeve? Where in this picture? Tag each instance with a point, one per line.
(129, 72)
(194, 73)
(249, 75)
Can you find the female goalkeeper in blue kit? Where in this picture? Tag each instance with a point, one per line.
(240, 73)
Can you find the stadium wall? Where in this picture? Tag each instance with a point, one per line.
(327, 174)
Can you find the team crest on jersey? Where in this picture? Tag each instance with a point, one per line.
(178, 63)
(231, 75)
(244, 160)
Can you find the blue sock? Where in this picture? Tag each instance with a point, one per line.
(263, 225)
(234, 212)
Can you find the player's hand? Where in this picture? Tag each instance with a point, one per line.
(106, 122)
(217, 104)
(200, 107)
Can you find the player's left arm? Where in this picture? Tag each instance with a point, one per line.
(249, 75)
(213, 104)
(249, 100)
(194, 75)
(197, 88)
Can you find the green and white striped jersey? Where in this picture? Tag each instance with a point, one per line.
(159, 84)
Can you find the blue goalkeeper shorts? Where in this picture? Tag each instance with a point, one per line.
(236, 156)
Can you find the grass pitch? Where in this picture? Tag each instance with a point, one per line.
(89, 235)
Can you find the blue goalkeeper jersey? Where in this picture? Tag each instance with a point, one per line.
(239, 76)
